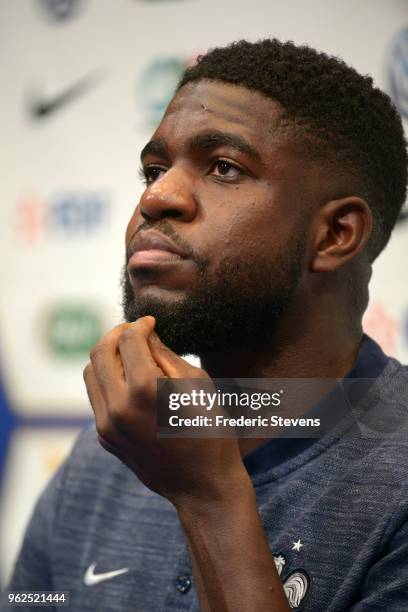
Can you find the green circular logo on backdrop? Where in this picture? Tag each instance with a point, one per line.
(72, 330)
(156, 87)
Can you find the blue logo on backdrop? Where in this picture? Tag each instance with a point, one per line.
(60, 10)
(76, 213)
(397, 71)
(156, 86)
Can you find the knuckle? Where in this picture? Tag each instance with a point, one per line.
(114, 332)
(97, 351)
(128, 334)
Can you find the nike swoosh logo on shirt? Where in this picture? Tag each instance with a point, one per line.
(91, 578)
(41, 107)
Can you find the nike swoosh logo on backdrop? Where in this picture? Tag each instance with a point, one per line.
(40, 107)
(91, 578)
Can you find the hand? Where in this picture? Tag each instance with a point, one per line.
(204, 478)
(121, 383)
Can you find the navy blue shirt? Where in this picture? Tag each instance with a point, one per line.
(334, 510)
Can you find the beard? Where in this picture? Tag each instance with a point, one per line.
(239, 304)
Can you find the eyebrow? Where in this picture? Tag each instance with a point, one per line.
(204, 142)
(154, 147)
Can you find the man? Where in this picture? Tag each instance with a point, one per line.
(272, 183)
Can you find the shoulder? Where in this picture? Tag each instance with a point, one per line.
(381, 434)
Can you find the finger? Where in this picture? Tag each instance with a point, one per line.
(107, 365)
(96, 399)
(139, 366)
(172, 364)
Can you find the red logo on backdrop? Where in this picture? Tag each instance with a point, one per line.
(30, 218)
(382, 327)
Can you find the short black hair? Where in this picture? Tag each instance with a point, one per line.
(342, 117)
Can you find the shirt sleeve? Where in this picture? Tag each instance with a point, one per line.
(386, 584)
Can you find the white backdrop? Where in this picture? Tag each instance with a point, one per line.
(83, 83)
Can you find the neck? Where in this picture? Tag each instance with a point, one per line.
(323, 349)
(292, 354)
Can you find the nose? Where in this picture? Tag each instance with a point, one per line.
(171, 195)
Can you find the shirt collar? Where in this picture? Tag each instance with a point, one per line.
(369, 364)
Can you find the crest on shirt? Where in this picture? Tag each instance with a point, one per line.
(296, 585)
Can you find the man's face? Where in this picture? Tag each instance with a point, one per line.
(235, 201)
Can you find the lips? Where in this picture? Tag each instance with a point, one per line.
(151, 247)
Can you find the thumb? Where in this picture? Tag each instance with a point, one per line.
(145, 325)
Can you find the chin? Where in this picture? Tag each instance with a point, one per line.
(153, 295)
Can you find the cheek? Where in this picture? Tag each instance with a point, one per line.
(134, 221)
(234, 236)
(246, 228)
(254, 233)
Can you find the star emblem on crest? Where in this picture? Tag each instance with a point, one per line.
(297, 545)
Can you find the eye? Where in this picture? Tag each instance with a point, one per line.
(150, 174)
(226, 169)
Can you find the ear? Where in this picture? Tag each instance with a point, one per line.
(342, 229)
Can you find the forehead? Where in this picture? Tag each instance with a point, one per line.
(205, 104)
